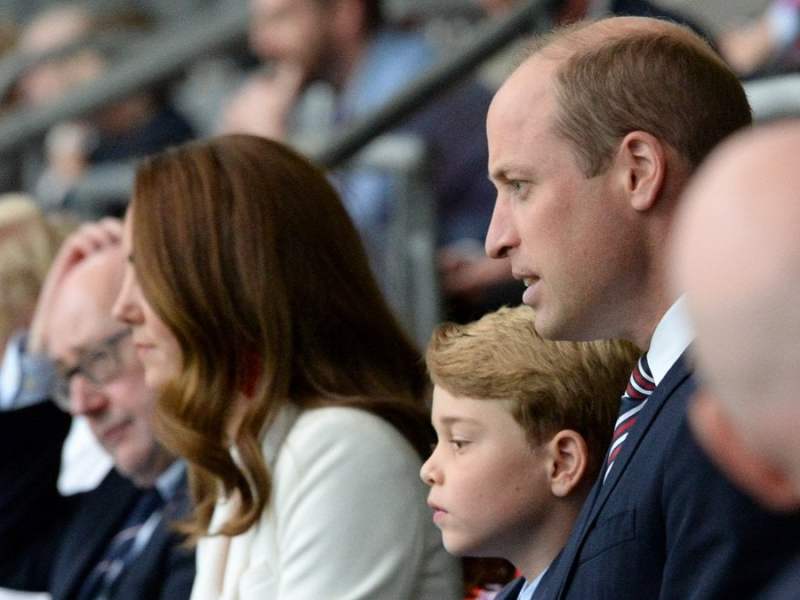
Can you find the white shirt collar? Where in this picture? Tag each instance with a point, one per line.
(529, 587)
(672, 336)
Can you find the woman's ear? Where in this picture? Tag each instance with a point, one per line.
(757, 476)
(640, 166)
(569, 457)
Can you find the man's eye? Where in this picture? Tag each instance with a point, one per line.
(99, 364)
(519, 186)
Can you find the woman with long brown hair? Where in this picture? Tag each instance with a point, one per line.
(285, 380)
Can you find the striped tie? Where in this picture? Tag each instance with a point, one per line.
(640, 386)
(122, 549)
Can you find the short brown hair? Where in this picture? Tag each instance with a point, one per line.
(550, 385)
(663, 79)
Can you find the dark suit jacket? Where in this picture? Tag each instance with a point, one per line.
(786, 586)
(666, 523)
(50, 543)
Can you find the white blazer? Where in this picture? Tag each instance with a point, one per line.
(347, 520)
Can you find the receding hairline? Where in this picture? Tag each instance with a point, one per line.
(584, 36)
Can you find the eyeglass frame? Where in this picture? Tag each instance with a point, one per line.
(109, 346)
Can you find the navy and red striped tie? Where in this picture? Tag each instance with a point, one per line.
(640, 386)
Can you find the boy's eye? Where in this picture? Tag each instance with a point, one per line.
(458, 444)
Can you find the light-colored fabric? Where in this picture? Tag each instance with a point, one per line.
(347, 520)
(84, 462)
(25, 378)
(671, 337)
(529, 589)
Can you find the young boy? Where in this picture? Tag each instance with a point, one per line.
(523, 425)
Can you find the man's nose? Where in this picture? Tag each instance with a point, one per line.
(502, 235)
(85, 398)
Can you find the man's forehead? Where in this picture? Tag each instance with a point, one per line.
(77, 323)
(81, 311)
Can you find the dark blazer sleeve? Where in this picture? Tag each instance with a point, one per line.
(31, 509)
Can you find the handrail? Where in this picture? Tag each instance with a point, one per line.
(166, 53)
(431, 84)
(159, 57)
(774, 97)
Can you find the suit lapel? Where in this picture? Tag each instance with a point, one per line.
(95, 524)
(602, 491)
(676, 375)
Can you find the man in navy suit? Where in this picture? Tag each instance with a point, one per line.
(115, 541)
(591, 141)
(747, 319)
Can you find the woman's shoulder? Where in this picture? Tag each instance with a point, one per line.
(345, 426)
(344, 439)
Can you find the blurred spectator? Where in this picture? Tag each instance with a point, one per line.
(28, 243)
(772, 41)
(747, 319)
(78, 46)
(329, 62)
(116, 541)
(568, 11)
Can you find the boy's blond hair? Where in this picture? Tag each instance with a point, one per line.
(550, 385)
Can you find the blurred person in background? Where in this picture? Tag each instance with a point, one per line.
(742, 282)
(115, 541)
(145, 122)
(28, 243)
(346, 52)
(564, 12)
(770, 42)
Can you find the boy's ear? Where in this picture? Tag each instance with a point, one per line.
(569, 457)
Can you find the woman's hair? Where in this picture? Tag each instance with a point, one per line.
(244, 250)
(28, 244)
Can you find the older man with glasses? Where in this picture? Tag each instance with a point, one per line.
(116, 541)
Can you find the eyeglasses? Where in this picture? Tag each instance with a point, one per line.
(98, 364)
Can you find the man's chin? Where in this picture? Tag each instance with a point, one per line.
(143, 468)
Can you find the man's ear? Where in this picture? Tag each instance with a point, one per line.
(755, 475)
(641, 166)
(569, 459)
